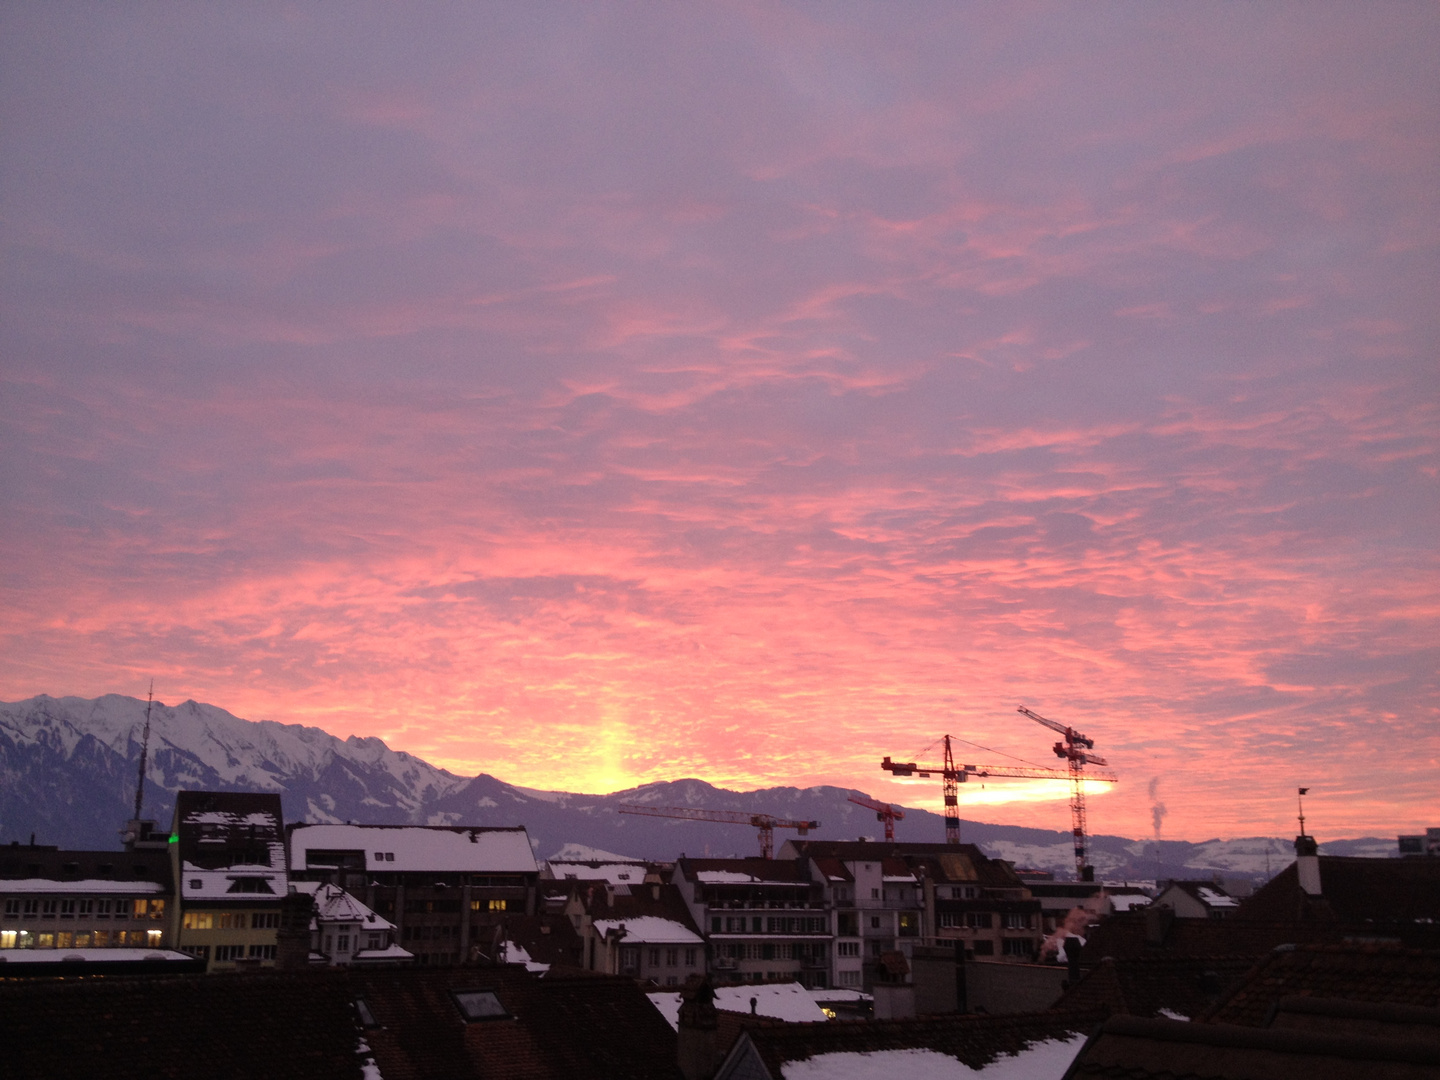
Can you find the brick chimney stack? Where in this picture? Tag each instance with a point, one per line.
(698, 1049)
(292, 940)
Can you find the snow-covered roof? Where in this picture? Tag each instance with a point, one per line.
(88, 885)
(905, 879)
(113, 956)
(1215, 898)
(614, 873)
(650, 930)
(390, 952)
(723, 877)
(1129, 902)
(583, 854)
(839, 994)
(420, 849)
(233, 882)
(515, 953)
(780, 1001)
(1046, 1060)
(334, 904)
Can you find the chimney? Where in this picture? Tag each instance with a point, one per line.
(292, 940)
(697, 1039)
(1307, 864)
(1157, 924)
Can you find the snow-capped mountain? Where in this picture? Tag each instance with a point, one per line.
(68, 769)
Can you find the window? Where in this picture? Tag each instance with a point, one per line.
(672, 957)
(264, 920)
(153, 938)
(877, 947)
(671, 980)
(367, 1018)
(103, 908)
(7, 939)
(909, 924)
(690, 958)
(978, 920)
(847, 948)
(848, 978)
(375, 942)
(479, 1005)
(1017, 947)
(32, 908)
(343, 943)
(263, 952)
(48, 908)
(87, 907)
(12, 907)
(874, 894)
(715, 923)
(250, 885)
(874, 922)
(227, 953)
(654, 958)
(102, 939)
(67, 909)
(200, 952)
(1016, 920)
(499, 905)
(65, 940)
(199, 920)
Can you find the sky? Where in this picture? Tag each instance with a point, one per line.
(594, 394)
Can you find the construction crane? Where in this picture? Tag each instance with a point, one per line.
(765, 823)
(954, 775)
(1076, 749)
(883, 812)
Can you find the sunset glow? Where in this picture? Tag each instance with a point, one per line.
(601, 394)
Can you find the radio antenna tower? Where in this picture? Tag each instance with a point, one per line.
(144, 752)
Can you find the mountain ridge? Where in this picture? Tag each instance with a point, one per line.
(68, 768)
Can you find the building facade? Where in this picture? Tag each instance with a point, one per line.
(447, 889)
(74, 900)
(227, 853)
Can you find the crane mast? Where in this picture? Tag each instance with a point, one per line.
(883, 812)
(1075, 749)
(953, 775)
(766, 824)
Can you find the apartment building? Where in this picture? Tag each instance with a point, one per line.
(765, 920)
(885, 898)
(82, 900)
(227, 857)
(447, 888)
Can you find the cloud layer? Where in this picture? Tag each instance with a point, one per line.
(604, 394)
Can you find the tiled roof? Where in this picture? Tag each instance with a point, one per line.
(1353, 891)
(1372, 973)
(198, 1026)
(547, 939)
(1132, 1048)
(974, 1040)
(305, 1025)
(1125, 935)
(1144, 986)
(583, 1028)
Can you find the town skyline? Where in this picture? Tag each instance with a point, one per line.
(596, 396)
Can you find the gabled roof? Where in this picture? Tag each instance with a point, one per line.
(651, 913)
(1366, 973)
(972, 1039)
(1206, 893)
(1127, 934)
(833, 869)
(420, 848)
(334, 904)
(1353, 891)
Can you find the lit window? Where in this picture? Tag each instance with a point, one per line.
(498, 905)
(153, 938)
(7, 939)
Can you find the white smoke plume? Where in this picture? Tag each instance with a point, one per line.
(1157, 808)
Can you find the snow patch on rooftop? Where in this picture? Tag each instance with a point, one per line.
(780, 1001)
(650, 930)
(1046, 1060)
